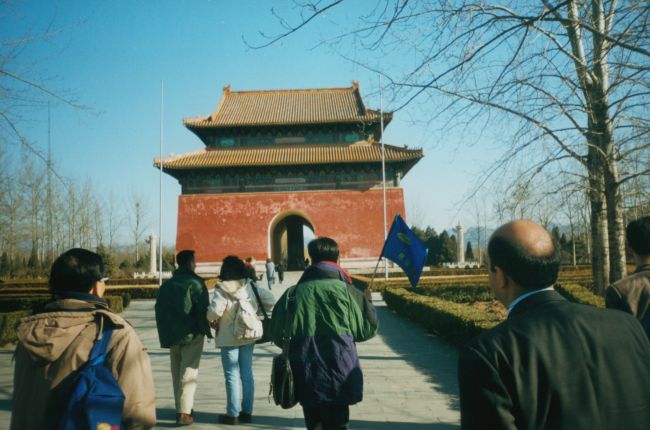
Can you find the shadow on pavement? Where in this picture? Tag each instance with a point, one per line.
(427, 353)
(374, 425)
(262, 421)
(166, 419)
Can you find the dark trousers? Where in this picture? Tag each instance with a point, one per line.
(328, 417)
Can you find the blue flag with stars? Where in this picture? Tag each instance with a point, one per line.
(405, 249)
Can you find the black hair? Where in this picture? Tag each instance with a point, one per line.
(232, 268)
(323, 249)
(528, 271)
(185, 258)
(637, 234)
(76, 270)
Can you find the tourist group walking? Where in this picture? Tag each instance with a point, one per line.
(552, 364)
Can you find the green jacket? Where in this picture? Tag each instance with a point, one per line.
(181, 309)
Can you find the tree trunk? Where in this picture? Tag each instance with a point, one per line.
(599, 231)
(615, 226)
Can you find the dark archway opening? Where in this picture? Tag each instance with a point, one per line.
(288, 240)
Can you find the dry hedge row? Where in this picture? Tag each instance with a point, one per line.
(459, 309)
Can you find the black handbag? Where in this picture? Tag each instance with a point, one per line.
(283, 385)
(266, 322)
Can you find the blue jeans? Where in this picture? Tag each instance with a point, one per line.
(237, 363)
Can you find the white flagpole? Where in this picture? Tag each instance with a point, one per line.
(160, 235)
(383, 168)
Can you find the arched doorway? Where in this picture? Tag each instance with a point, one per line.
(290, 233)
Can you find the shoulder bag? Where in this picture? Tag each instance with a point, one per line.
(283, 385)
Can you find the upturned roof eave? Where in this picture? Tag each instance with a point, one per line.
(415, 157)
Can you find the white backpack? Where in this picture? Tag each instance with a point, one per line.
(247, 325)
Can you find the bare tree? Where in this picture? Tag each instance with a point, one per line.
(137, 220)
(113, 221)
(574, 74)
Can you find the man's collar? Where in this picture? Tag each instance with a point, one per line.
(642, 268)
(184, 271)
(86, 297)
(514, 303)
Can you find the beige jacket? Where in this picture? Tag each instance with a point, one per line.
(222, 308)
(55, 343)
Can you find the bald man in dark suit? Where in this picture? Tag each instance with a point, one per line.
(552, 364)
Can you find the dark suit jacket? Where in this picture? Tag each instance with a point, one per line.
(554, 364)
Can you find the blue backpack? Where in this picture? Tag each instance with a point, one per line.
(96, 400)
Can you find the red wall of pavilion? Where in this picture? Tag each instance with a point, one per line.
(217, 225)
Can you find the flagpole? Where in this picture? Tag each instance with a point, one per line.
(383, 170)
(372, 280)
(160, 234)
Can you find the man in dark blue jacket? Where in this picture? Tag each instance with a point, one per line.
(552, 364)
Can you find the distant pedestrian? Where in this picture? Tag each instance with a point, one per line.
(234, 291)
(632, 294)
(270, 273)
(57, 341)
(280, 270)
(180, 318)
(329, 316)
(249, 270)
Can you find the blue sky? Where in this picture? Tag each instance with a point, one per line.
(111, 57)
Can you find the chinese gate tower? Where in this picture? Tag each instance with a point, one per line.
(278, 162)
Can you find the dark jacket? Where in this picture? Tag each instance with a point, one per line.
(330, 316)
(180, 309)
(557, 365)
(632, 295)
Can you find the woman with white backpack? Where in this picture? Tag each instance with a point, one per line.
(234, 313)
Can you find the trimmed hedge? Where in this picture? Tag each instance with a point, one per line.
(456, 311)
(35, 303)
(457, 323)
(462, 293)
(579, 294)
(135, 292)
(8, 322)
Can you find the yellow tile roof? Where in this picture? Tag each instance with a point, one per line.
(288, 107)
(359, 152)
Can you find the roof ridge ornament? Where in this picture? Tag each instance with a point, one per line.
(227, 89)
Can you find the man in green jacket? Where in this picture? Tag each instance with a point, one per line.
(182, 326)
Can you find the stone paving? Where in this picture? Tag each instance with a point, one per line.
(410, 378)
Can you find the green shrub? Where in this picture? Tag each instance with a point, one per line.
(457, 323)
(580, 294)
(23, 285)
(35, 303)
(15, 302)
(461, 293)
(126, 299)
(136, 291)
(115, 303)
(8, 322)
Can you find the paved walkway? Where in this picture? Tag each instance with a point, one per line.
(410, 379)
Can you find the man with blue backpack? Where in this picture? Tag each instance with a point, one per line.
(78, 364)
